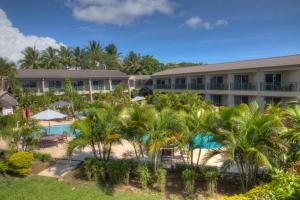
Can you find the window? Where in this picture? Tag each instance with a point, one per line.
(241, 99)
(197, 83)
(216, 100)
(78, 85)
(29, 85)
(273, 81)
(55, 85)
(98, 85)
(180, 83)
(274, 100)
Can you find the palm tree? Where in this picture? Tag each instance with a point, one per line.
(50, 59)
(99, 130)
(31, 59)
(164, 130)
(136, 122)
(251, 139)
(93, 55)
(7, 69)
(78, 55)
(65, 57)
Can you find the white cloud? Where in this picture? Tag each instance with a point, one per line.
(119, 12)
(198, 22)
(13, 42)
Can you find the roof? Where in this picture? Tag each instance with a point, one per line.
(140, 77)
(238, 65)
(7, 100)
(57, 73)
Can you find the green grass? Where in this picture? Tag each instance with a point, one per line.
(42, 188)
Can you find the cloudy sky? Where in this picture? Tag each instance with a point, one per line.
(207, 31)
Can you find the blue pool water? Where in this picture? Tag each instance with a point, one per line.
(59, 129)
(206, 142)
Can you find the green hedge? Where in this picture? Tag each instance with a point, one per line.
(20, 162)
(43, 157)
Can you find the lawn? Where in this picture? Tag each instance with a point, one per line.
(42, 188)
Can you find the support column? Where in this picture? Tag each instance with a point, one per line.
(129, 89)
(43, 85)
(110, 85)
(91, 90)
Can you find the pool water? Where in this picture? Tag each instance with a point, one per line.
(59, 129)
(205, 141)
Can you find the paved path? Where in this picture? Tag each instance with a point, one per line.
(59, 169)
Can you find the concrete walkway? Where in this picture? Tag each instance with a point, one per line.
(59, 169)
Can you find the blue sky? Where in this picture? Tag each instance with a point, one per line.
(208, 31)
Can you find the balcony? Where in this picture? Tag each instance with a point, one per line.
(162, 86)
(179, 86)
(217, 86)
(243, 86)
(283, 87)
(55, 89)
(197, 86)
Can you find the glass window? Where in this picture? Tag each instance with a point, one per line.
(241, 99)
(55, 84)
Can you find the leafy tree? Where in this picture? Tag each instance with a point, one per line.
(93, 55)
(78, 55)
(150, 65)
(7, 69)
(31, 59)
(111, 49)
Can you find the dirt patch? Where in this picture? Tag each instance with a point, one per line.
(38, 166)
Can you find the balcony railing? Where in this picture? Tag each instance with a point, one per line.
(79, 88)
(55, 89)
(286, 86)
(243, 86)
(197, 86)
(217, 86)
(98, 87)
(162, 86)
(179, 86)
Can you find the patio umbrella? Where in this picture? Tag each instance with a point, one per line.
(48, 115)
(61, 104)
(138, 98)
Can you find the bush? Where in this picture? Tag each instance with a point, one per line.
(43, 157)
(94, 169)
(118, 171)
(21, 171)
(21, 160)
(189, 176)
(161, 178)
(295, 168)
(144, 175)
(283, 186)
(210, 176)
(3, 167)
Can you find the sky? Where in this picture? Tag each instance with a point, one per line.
(206, 31)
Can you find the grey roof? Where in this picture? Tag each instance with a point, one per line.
(239, 65)
(56, 73)
(7, 100)
(140, 77)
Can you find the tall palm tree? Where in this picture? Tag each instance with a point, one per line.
(93, 55)
(7, 69)
(251, 139)
(50, 59)
(78, 56)
(31, 59)
(164, 131)
(294, 115)
(136, 122)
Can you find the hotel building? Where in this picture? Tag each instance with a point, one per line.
(267, 80)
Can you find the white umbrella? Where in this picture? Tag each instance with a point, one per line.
(138, 98)
(48, 115)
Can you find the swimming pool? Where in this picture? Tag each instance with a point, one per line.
(205, 141)
(59, 129)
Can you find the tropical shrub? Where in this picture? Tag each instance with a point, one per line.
(118, 171)
(144, 175)
(43, 157)
(161, 178)
(20, 163)
(295, 168)
(210, 177)
(3, 167)
(284, 185)
(89, 168)
(189, 176)
(21, 159)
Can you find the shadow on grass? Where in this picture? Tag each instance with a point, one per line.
(107, 188)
